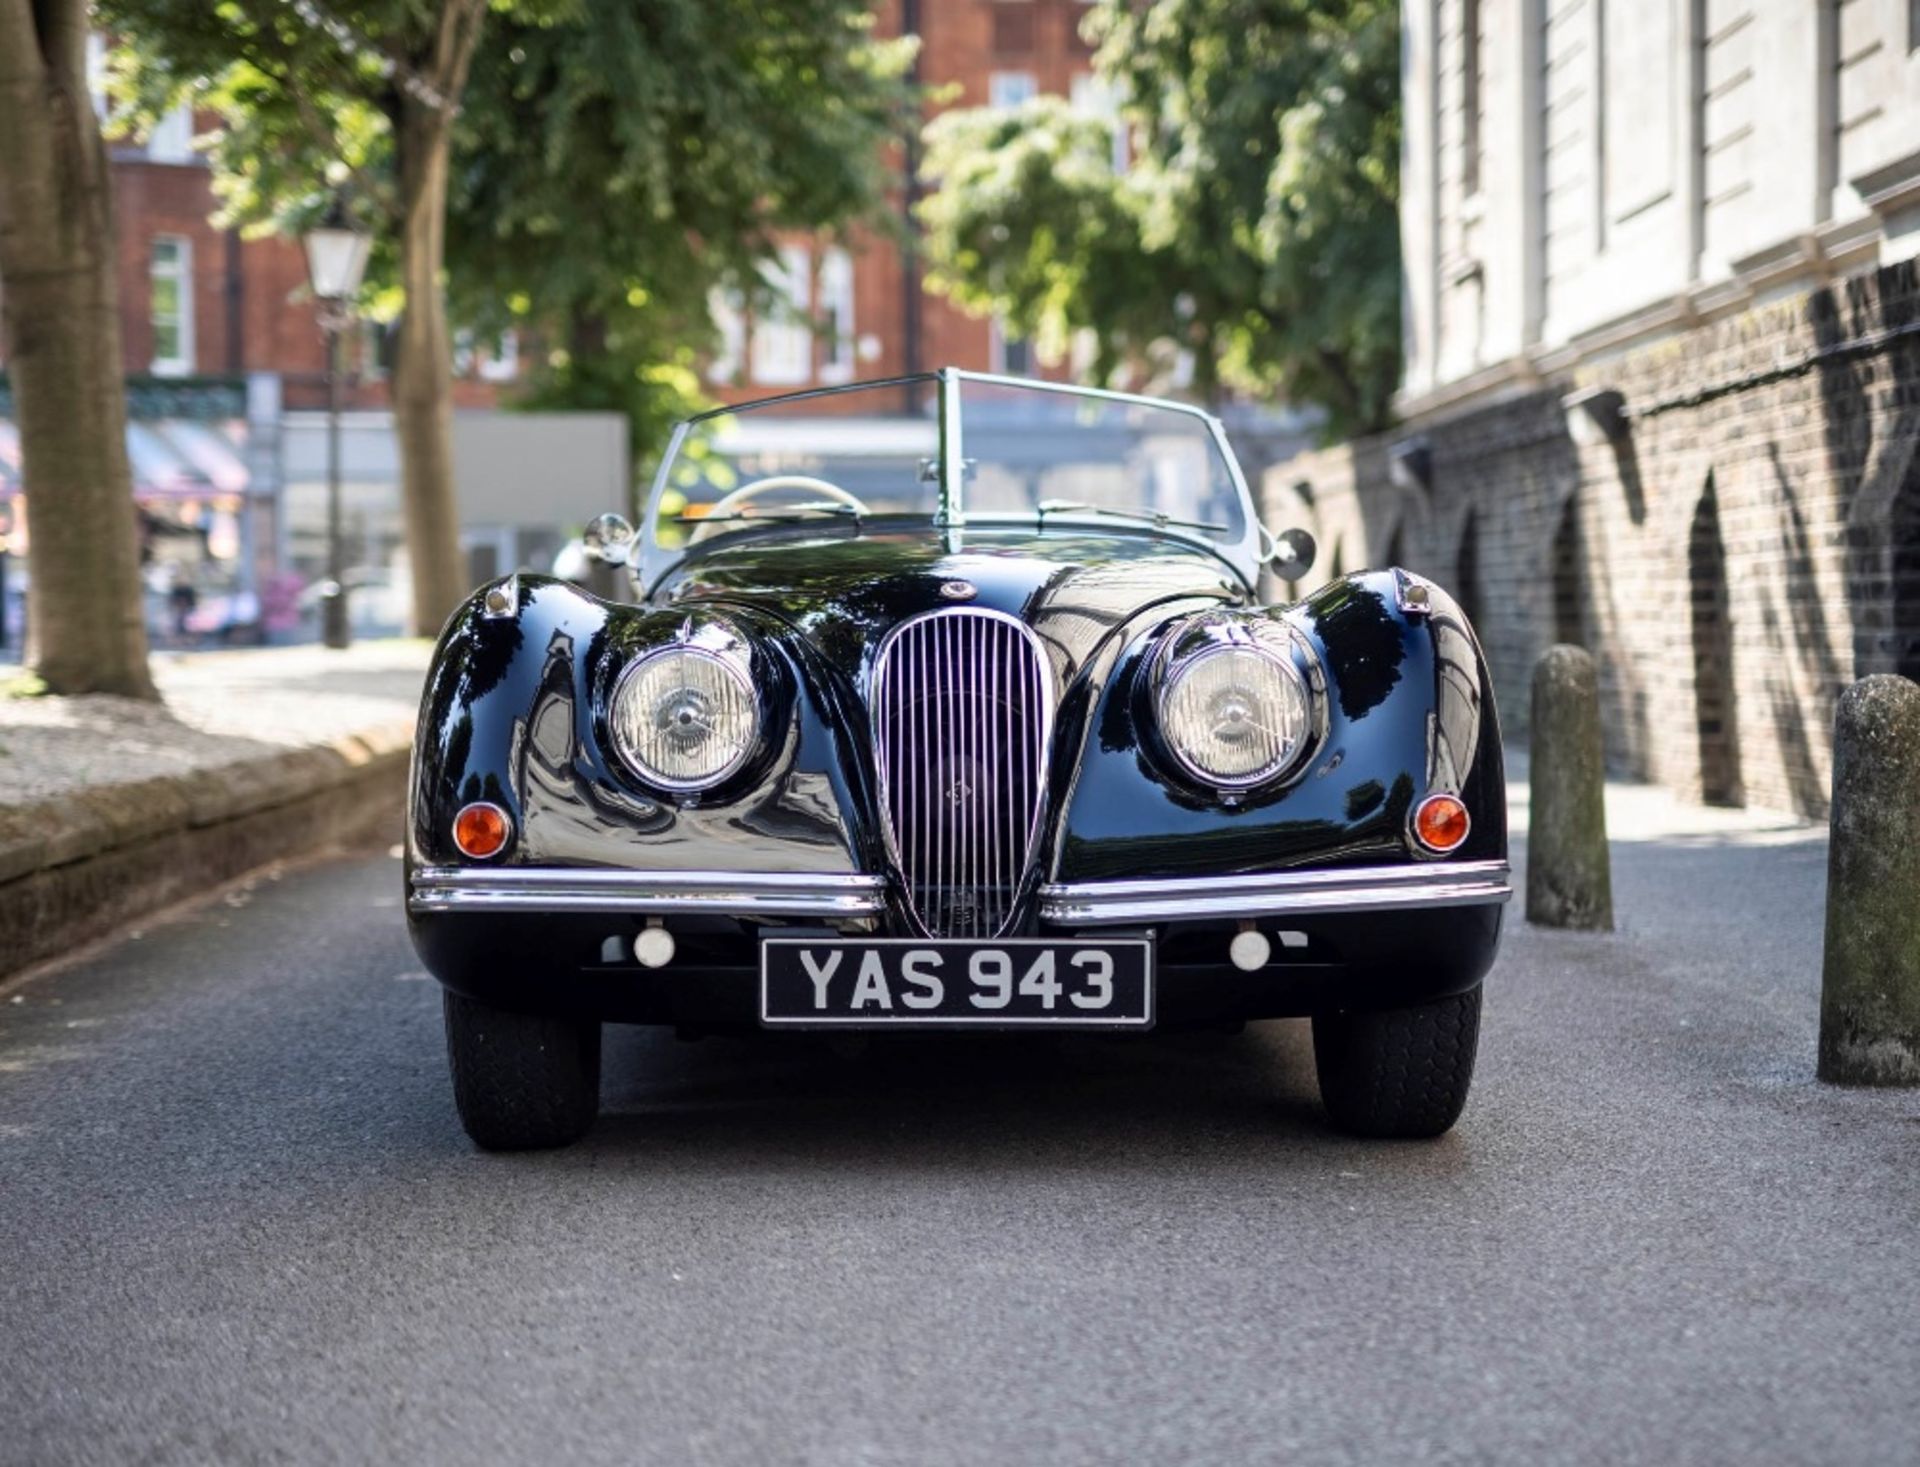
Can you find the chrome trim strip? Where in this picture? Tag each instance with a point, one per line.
(1278, 893)
(600, 889)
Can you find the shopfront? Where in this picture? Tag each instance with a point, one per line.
(205, 490)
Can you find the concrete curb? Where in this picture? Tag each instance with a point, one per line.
(73, 868)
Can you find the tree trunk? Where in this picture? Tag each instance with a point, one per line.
(423, 373)
(86, 630)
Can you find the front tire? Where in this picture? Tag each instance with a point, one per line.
(1403, 1073)
(522, 1081)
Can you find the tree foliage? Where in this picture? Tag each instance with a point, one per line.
(316, 97)
(613, 162)
(616, 168)
(1256, 226)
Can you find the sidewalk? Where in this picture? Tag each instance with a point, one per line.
(110, 808)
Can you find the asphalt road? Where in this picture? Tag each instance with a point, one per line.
(239, 1222)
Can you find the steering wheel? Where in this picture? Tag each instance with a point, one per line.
(730, 502)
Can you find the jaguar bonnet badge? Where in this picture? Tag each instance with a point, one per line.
(959, 590)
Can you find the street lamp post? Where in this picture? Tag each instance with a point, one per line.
(336, 261)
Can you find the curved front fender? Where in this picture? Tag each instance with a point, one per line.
(515, 711)
(1410, 711)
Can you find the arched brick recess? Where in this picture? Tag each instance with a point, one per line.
(1712, 626)
(1569, 576)
(1466, 575)
(1905, 527)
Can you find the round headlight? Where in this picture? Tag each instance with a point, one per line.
(1235, 714)
(684, 718)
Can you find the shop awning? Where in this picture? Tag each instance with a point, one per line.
(171, 458)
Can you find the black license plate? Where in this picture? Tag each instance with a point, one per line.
(904, 983)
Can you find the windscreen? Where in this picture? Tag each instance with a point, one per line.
(871, 450)
(1032, 451)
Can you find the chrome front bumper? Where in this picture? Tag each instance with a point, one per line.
(652, 893)
(1277, 894)
(1077, 904)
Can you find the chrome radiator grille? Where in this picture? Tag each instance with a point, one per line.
(962, 710)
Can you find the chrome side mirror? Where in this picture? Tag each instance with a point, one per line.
(1291, 554)
(609, 540)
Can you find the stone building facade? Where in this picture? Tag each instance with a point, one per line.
(1662, 392)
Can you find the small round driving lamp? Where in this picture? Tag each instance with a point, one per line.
(685, 718)
(1440, 824)
(1235, 714)
(481, 830)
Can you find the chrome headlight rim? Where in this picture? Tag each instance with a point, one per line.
(1188, 644)
(735, 666)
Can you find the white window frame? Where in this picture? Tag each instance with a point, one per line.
(1011, 88)
(371, 336)
(1095, 97)
(180, 270)
(730, 324)
(502, 361)
(997, 344)
(781, 352)
(836, 311)
(171, 140)
(97, 73)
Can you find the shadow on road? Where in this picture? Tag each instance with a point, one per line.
(980, 1101)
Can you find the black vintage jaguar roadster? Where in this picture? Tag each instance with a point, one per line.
(952, 703)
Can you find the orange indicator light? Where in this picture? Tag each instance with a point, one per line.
(481, 830)
(1440, 824)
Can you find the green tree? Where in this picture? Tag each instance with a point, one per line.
(322, 96)
(614, 170)
(610, 164)
(1256, 226)
(62, 322)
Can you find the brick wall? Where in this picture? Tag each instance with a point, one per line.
(250, 303)
(1746, 548)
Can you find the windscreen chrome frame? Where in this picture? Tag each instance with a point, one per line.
(1242, 555)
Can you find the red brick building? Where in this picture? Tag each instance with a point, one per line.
(872, 314)
(198, 301)
(225, 360)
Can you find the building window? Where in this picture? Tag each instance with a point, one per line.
(1470, 79)
(782, 352)
(836, 315)
(730, 325)
(1009, 355)
(97, 73)
(1011, 88)
(502, 363)
(171, 140)
(1097, 97)
(377, 340)
(170, 275)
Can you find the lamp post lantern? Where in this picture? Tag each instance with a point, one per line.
(336, 262)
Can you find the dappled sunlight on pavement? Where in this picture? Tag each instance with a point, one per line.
(219, 707)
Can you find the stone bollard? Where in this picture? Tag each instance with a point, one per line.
(1870, 986)
(1569, 881)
